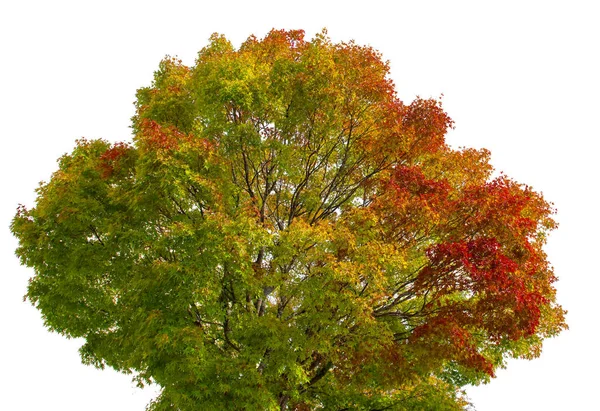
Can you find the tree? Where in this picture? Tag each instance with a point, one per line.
(285, 233)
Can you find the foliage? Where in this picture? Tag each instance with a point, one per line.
(285, 233)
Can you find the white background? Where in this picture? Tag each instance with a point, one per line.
(520, 78)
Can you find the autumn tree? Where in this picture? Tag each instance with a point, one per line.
(284, 233)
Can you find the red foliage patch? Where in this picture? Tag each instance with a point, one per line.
(110, 159)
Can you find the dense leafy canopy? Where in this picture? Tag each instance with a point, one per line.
(285, 233)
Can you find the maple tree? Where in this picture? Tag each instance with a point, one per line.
(285, 233)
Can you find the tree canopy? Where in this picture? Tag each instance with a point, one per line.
(283, 233)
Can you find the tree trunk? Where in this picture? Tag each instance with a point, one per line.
(283, 401)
